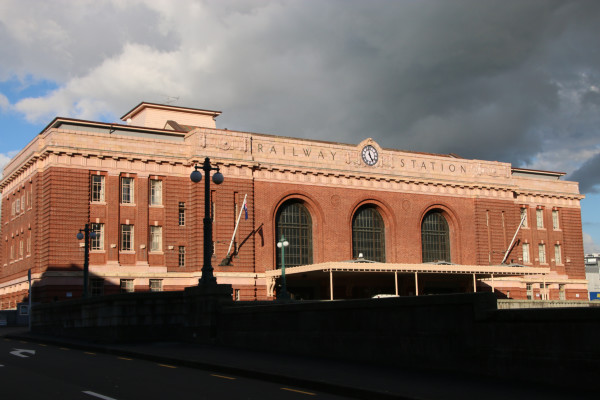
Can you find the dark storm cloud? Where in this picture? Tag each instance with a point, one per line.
(588, 175)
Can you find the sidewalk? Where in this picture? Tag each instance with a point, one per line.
(353, 380)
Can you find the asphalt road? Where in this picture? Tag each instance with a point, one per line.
(31, 370)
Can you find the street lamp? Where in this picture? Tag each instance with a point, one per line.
(208, 277)
(86, 233)
(282, 244)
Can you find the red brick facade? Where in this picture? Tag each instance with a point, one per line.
(47, 198)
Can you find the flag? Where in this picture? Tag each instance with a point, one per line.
(245, 210)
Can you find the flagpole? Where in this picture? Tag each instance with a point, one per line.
(236, 225)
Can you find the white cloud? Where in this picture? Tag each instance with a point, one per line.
(589, 246)
(5, 159)
(4, 103)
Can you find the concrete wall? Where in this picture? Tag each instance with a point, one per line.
(447, 332)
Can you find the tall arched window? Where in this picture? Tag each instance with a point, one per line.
(368, 234)
(294, 223)
(435, 237)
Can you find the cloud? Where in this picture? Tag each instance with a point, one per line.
(589, 246)
(5, 159)
(490, 80)
(4, 103)
(587, 175)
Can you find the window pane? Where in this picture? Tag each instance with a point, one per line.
(181, 214)
(368, 235)
(97, 188)
(155, 192)
(182, 256)
(155, 238)
(98, 241)
(127, 190)
(126, 237)
(295, 224)
(435, 238)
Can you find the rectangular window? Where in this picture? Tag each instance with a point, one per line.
(181, 214)
(555, 224)
(561, 292)
(156, 285)
(155, 192)
(97, 242)
(156, 238)
(127, 286)
(17, 206)
(542, 253)
(23, 203)
(29, 244)
(97, 188)
(526, 259)
(21, 249)
(97, 287)
(529, 291)
(182, 256)
(126, 237)
(539, 216)
(524, 214)
(237, 294)
(12, 251)
(557, 254)
(127, 190)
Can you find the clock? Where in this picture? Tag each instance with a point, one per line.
(370, 155)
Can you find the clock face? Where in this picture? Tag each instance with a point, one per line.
(369, 155)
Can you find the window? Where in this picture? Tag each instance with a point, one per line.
(97, 287)
(20, 249)
(23, 203)
(557, 254)
(182, 256)
(181, 214)
(561, 292)
(29, 244)
(156, 285)
(97, 243)
(526, 259)
(127, 286)
(524, 214)
(97, 188)
(127, 190)
(368, 234)
(555, 224)
(435, 236)
(539, 216)
(156, 238)
(293, 221)
(126, 237)
(237, 294)
(529, 291)
(17, 206)
(542, 253)
(155, 192)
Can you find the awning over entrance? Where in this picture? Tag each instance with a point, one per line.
(477, 271)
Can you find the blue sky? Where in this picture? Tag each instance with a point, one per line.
(513, 81)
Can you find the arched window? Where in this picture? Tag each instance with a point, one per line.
(435, 237)
(368, 234)
(294, 223)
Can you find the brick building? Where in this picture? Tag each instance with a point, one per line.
(360, 220)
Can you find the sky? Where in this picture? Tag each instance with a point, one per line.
(516, 81)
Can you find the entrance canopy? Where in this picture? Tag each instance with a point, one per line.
(365, 266)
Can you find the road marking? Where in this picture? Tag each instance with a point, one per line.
(298, 391)
(167, 366)
(87, 352)
(224, 377)
(124, 358)
(43, 345)
(100, 396)
(23, 353)
(64, 348)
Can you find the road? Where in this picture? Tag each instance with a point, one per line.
(31, 370)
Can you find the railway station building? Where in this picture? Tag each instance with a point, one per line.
(359, 220)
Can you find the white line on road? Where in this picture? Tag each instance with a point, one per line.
(100, 396)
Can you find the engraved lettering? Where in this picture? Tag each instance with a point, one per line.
(273, 150)
(332, 155)
(463, 169)
(259, 148)
(307, 152)
(321, 155)
(294, 152)
(423, 166)
(452, 168)
(402, 162)
(414, 163)
(433, 165)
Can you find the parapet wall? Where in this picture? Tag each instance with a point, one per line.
(460, 333)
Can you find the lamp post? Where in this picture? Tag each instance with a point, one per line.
(86, 233)
(208, 277)
(282, 244)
